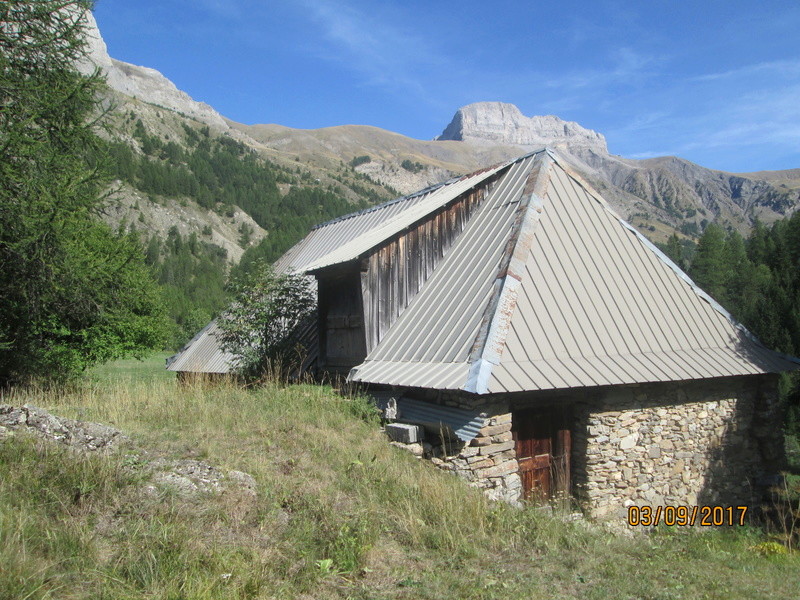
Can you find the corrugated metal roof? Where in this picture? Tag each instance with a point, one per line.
(357, 246)
(458, 422)
(559, 294)
(202, 354)
(440, 325)
(434, 337)
(327, 237)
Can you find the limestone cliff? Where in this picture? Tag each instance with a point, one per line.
(502, 123)
(143, 83)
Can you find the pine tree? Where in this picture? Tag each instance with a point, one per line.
(709, 264)
(674, 250)
(72, 292)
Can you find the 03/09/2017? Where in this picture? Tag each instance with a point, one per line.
(705, 516)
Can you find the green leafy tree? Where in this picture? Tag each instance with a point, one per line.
(262, 324)
(72, 292)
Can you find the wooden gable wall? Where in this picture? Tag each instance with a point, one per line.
(393, 274)
(359, 301)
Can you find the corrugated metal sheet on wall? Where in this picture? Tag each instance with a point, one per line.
(438, 420)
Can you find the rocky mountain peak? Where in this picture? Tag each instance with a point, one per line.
(503, 123)
(143, 83)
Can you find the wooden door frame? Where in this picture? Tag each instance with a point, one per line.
(557, 423)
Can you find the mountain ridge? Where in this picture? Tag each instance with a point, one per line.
(660, 194)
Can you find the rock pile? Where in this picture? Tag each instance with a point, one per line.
(36, 421)
(187, 478)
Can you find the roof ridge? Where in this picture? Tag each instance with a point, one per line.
(430, 188)
(439, 198)
(489, 343)
(383, 205)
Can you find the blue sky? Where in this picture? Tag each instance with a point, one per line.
(716, 82)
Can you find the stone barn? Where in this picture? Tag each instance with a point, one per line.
(546, 346)
(543, 345)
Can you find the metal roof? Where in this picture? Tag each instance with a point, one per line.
(328, 237)
(436, 333)
(547, 288)
(417, 208)
(202, 354)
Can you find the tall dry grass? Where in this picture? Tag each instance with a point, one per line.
(338, 513)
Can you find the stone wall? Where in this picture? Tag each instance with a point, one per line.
(702, 442)
(677, 443)
(488, 461)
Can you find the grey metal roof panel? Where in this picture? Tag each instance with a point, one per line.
(390, 225)
(597, 306)
(586, 301)
(700, 363)
(441, 324)
(202, 354)
(440, 376)
(329, 236)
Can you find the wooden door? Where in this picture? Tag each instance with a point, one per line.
(342, 343)
(543, 445)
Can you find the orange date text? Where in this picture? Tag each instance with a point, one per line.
(704, 516)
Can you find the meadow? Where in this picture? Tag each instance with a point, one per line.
(338, 512)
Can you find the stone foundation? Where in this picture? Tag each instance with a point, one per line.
(488, 462)
(702, 442)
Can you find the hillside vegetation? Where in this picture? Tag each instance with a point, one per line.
(183, 160)
(337, 513)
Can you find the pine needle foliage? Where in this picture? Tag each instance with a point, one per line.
(72, 292)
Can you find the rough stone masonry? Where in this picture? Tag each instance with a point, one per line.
(680, 443)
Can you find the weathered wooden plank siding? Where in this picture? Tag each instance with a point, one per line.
(393, 274)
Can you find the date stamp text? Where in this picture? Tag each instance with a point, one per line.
(704, 516)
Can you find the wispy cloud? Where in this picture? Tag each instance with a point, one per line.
(766, 121)
(785, 68)
(382, 53)
(627, 67)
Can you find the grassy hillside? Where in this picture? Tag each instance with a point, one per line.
(338, 513)
(200, 198)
